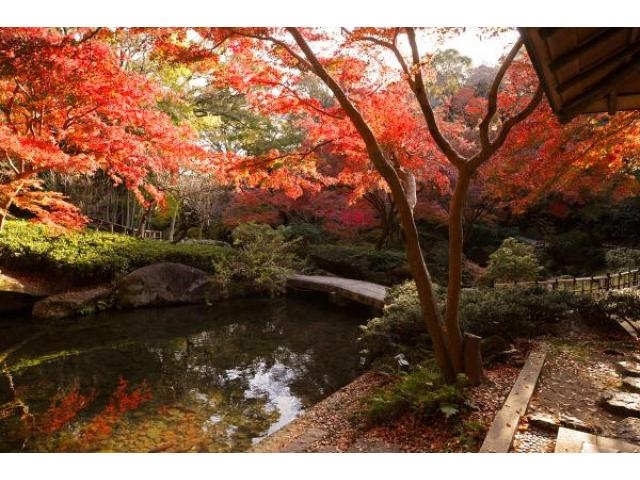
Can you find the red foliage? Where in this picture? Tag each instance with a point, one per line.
(69, 107)
(121, 402)
(64, 409)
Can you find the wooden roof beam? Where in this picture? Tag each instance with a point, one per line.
(546, 32)
(598, 38)
(603, 87)
(628, 51)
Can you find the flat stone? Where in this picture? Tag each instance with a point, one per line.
(70, 304)
(573, 441)
(545, 421)
(629, 429)
(636, 356)
(568, 421)
(629, 368)
(373, 445)
(622, 403)
(631, 383)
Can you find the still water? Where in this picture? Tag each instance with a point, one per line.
(195, 378)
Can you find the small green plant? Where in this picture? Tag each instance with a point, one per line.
(513, 261)
(422, 392)
(264, 259)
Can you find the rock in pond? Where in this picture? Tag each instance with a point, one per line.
(70, 304)
(165, 284)
(15, 296)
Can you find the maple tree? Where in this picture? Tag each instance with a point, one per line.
(68, 106)
(355, 81)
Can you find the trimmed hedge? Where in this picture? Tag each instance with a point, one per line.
(94, 256)
(508, 313)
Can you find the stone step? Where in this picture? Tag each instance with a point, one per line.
(622, 403)
(631, 384)
(629, 368)
(572, 441)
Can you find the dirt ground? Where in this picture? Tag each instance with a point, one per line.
(334, 425)
(578, 370)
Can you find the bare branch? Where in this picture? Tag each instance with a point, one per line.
(280, 43)
(493, 94)
(485, 154)
(420, 91)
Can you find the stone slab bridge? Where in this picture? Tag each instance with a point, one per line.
(340, 289)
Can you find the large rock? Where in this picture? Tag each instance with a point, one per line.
(69, 304)
(629, 368)
(165, 284)
(15, 296)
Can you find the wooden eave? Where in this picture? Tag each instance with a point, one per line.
(586, 69)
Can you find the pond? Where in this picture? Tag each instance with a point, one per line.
(192, 378)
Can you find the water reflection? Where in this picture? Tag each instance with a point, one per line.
(195, 378)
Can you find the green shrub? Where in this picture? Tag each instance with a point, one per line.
(422, 392)
(400, 329)
(510, 313)
(620, 258)
(513, 261)
(603, 309)
(514, 312)
(264, 259)
(575, 253)
(94, 256)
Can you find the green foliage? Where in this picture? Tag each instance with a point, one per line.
(264, 259)
(620, 258)
(575, 253)
(422, 392)
(400, 329)
(94, 256)
(380, 266)
(514, 261)
(514, 312)
(603, 308)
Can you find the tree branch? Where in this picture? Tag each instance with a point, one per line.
(420, 91)
(493, 95)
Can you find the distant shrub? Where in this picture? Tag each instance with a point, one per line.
(94, 256)
(513, 261)
(264, 259)
(619, 258)
(574, 253)
(380, 266)
(421, 391)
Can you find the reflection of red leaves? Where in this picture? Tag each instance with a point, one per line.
(64, 409)
(120, 402)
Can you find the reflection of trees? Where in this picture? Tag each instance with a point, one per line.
(220, 376)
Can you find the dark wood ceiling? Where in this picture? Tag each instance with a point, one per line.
(586, 69)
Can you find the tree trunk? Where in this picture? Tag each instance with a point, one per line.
(455, 269)
(419, 271)
(4, 210)
(172, 228)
